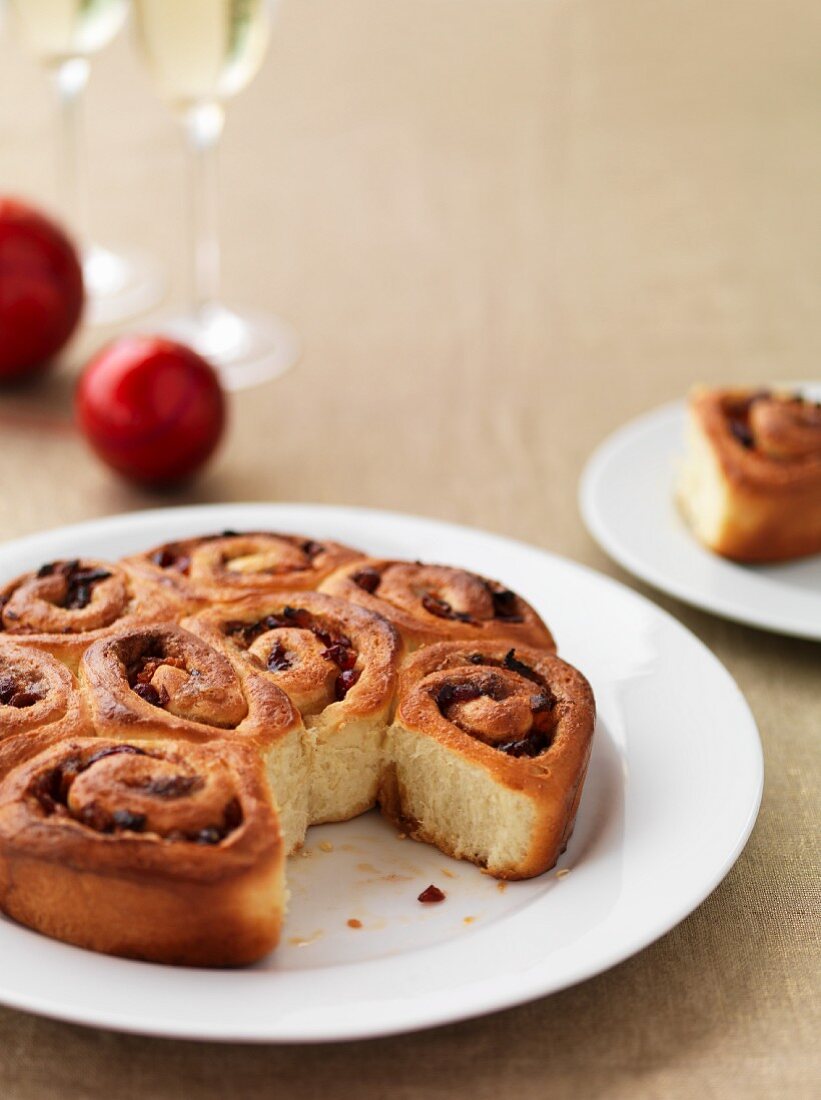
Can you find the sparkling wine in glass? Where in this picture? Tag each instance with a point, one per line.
(200, 53)
(63, 35)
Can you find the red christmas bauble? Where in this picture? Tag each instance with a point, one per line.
(152, 409)
(41, 290)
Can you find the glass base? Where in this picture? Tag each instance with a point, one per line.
(244, 346)
(119, 285)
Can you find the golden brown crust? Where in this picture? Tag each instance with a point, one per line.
(321, 651)
(435, 603)
(786, 428)
(163, 682)
(767, 448)
(228, 566)
(64, 606)
(522, 716)
(167, 852)
(40, 703)
(114, 843)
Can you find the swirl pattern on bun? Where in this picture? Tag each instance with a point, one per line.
(338, 663)
(750, 487)
(227, 566)
(487, 754)
(435, 603)
(163, 682)
(149, 850)
(64, 606)
(40, 703)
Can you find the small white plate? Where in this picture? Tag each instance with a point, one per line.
(626, 499)
(672, 794)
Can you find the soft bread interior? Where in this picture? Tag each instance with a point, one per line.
(345, 763)
(287, 768)
(703, 495)
(438, 796)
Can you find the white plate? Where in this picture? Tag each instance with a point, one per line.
(673, 791)
(626, 498)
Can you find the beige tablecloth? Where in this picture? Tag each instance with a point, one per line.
(503, 227)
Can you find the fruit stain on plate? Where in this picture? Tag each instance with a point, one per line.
(306, 941)
(377, 874)
(359, 871)
(387, 876)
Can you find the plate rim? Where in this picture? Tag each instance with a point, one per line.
(438, 1014)
(592, 475)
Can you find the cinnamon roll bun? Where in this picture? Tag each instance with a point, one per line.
(750, 487)
(435, 603)
(487, 754)
(164, 851)
(40, 703)
(225, 567)
(161, 682)
(170, 725)
(65, 605)
(338, 664)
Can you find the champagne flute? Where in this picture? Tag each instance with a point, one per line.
(62, 35)
(200, 53)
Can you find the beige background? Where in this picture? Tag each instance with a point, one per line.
(503, 227)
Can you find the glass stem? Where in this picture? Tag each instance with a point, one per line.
(70, 79)
(203, 127)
